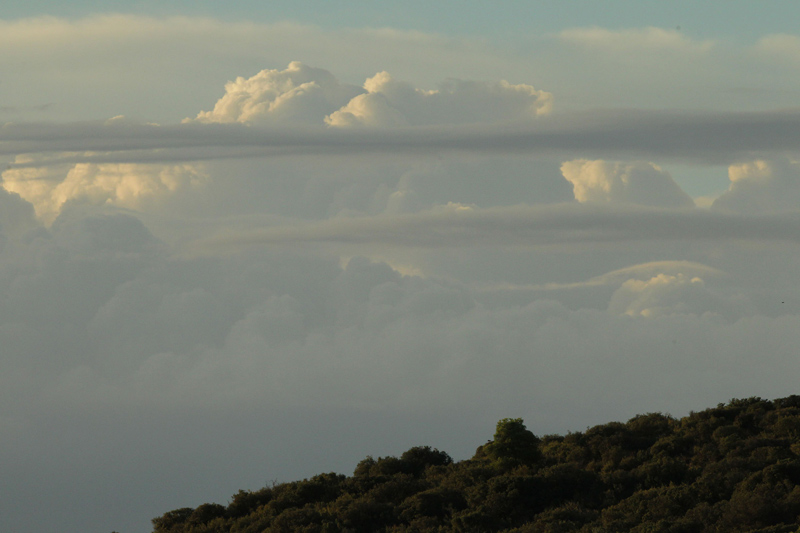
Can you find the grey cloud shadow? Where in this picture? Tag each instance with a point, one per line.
(710, 138)
(524, 225)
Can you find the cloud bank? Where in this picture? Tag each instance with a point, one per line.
(103, 324)
(305, 95)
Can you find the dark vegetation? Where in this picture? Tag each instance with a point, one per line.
(733, 468)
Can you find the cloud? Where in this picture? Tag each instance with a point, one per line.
(297, 95)
(637, 183)
(782, 47)
(102, 325)
(640, 40)
(642, 272)
(762, 186)
(117, 63)
(470, 181)
(305, 95)
(147, 329)
(116, 311)
(646, 271)
(121, 350)
(717, 138)
(128, 185)
(619, 290)
(103, 65)
(16, 215)
(649, 67)
(281, 329)
(389, 102)
(455, 225)
(666, 294)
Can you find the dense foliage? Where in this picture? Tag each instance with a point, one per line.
(733, 468)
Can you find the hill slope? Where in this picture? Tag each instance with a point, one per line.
(732, 468)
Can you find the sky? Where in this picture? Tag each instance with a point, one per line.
(258, 242)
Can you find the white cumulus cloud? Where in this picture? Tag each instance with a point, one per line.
(297, 94)
(613, 181)
(762, 186)
(128, 185)
(389, 102)
(305, 95)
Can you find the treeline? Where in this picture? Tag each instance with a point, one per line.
(733, 468)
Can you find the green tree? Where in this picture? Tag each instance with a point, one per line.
(513, 445)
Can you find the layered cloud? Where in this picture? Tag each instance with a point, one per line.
(639, 40)
(148, 328)
(392, 264)
(687, 137)
(780, 47)
(456, 225)
(101, 325)
(616, 182)
(615, 278)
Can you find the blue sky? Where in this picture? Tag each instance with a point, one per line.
(736, 20)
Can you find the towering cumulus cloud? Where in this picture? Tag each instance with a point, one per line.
(124, 185)
(298, 94)
(762, 186)
(389, 102)
(636, 183)
(302, 94)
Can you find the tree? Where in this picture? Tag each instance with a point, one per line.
(513, 445)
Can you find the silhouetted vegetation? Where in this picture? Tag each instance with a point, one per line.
(733, 468)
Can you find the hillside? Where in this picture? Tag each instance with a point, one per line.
(732, 468)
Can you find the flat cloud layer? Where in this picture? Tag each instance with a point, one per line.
(192, 308)
(455, 225)
(706, 138)
(645, 40)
